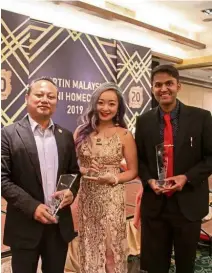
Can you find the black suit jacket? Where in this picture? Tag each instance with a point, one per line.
(21, 183)
(195, 161)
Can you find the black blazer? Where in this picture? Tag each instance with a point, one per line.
(195, 161)
(21, 183)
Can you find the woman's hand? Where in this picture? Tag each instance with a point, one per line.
(93, 170)
(95, 165)
(108, 178)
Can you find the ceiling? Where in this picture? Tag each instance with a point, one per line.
(205, 73)
(194, 7)
(182, 7)
(190, 12)
(183, 17)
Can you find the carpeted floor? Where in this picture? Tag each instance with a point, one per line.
(203, 263)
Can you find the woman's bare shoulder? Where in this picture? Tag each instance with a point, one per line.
(124, 133)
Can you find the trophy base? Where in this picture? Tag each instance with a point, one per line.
(92, 175)
(162, 183)
(54, 205)
(95, 178)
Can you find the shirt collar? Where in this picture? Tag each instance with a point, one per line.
(34, 124)
(174, 113)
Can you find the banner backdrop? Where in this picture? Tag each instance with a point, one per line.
(134, 70)
(14, 65)
(78, 64)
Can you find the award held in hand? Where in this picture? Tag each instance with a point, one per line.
(97, 149)
(65, 182)
(162, 164)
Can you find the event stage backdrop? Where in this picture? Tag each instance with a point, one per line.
(15, 33)
(77, 62)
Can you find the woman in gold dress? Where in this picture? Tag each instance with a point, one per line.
(102, 141)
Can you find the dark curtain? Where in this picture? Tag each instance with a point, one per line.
(154, 102)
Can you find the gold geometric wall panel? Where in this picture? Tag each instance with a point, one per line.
(133, 76)
(15, 33)
(31, 49)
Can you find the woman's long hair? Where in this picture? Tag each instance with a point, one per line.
(90, 118)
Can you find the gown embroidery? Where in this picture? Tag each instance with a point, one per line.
(102, 211)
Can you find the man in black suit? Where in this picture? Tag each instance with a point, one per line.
(35, 152)
(172, 216)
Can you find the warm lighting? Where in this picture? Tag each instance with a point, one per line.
(164, 17)
(157, 14)
(67, 16)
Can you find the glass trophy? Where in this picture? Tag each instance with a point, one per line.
(97, 148)
(65, 182)
(162, 164)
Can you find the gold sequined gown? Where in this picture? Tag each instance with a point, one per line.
(102, 212)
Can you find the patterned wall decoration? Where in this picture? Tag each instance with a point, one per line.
(77, 62)
(133, 76)
(15, 32)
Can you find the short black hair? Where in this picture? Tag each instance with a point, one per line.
(43, 78)
(166, 68)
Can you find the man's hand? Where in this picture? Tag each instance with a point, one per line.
(154, 186)
(178, 183)
(66, 196)
(42, 215)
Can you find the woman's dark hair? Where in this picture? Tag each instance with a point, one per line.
(90, 118)
(165, 68)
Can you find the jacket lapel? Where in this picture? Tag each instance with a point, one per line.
(155, 127)
(183, 126)
(27, 137)
(59, 137)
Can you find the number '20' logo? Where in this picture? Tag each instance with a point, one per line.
(136, 97)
